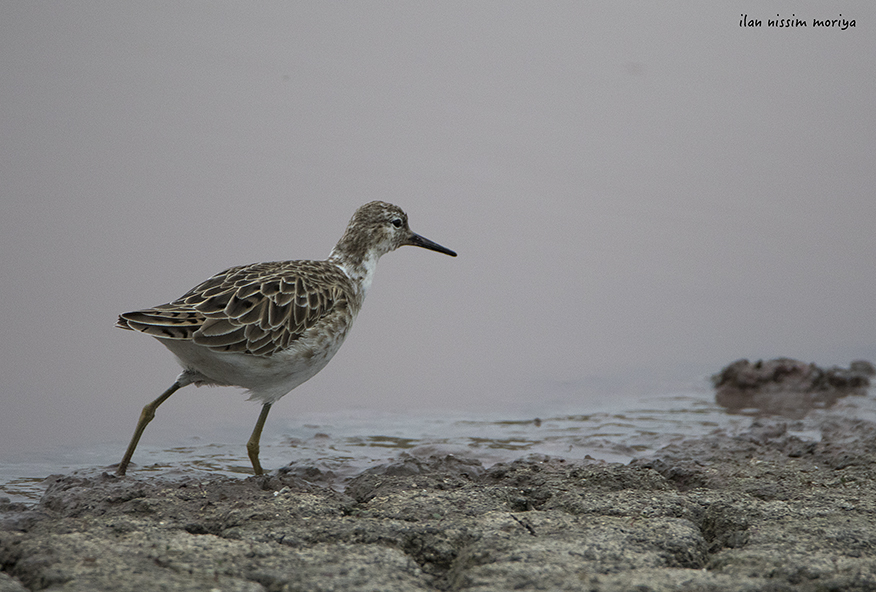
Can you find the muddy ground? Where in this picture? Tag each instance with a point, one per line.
(764, 510)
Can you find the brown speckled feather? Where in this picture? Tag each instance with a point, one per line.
(257, 309)
(269, 327)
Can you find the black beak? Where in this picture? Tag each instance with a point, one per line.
(418, 241)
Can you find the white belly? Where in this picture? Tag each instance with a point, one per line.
(266, 378)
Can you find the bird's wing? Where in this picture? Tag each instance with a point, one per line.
(257, 309)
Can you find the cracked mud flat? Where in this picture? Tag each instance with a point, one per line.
(763, 510)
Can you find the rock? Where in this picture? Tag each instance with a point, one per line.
(10, 584)
(763, 509)
(788, 387)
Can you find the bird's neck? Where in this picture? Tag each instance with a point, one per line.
(359, 268)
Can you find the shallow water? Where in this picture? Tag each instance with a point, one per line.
(343, 444)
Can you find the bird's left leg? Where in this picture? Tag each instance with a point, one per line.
(146, 416)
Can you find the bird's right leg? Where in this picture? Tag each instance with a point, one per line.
(145, 417)
(252, 446)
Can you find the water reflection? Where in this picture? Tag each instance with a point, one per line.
(336, 448)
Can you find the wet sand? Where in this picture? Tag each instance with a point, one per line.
(760, 510)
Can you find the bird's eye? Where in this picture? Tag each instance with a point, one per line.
(397, 223)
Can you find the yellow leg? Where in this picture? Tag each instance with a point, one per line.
(252, 446)
(145, 417)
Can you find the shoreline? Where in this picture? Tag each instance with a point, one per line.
(762, 509)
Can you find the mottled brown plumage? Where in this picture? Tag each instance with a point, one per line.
(257, 309)
(268, 327)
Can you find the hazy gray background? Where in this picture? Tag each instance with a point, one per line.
(639, 194)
